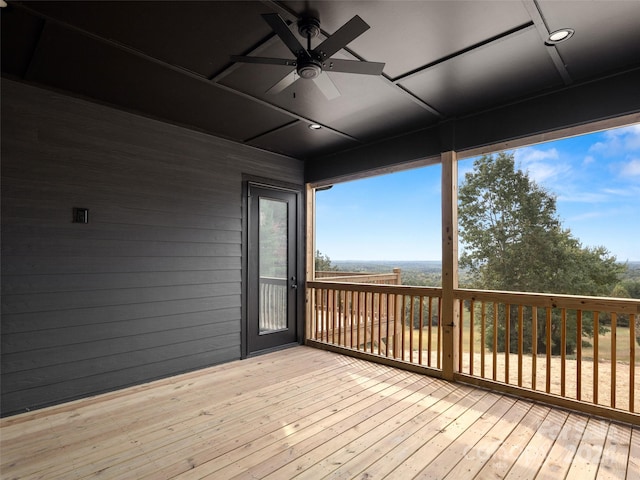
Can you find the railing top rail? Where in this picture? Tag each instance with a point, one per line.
(341, 273)
(343, 278)
(377, 288)
(578, 302)
(551, 300)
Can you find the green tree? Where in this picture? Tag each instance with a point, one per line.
(513, 240)
(632, 288)
(323, 263)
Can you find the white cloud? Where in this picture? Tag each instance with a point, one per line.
(619, 141)
(633, 130)
(542, 165)
(631, 168)
(545, 173)
(588, 160)
(532, 155)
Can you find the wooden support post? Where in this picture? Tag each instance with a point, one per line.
(310, 204)
(450, 308)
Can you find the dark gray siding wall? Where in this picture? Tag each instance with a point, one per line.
(151, 286)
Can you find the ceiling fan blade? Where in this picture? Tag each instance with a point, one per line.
(343, 36)
(353, 66)
(278, 25)
(284, 83)
(263, 60)
(326, 86)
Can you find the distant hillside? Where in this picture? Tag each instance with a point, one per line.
(429, 272)
(420, 273)
(386, 265)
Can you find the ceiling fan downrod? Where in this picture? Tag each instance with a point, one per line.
(309, 67)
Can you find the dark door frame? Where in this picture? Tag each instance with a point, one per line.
(298, 190)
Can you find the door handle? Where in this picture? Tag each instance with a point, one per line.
(294, 284)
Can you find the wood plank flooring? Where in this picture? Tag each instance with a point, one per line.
(305, 413)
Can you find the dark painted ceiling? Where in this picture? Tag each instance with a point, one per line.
(444, 60)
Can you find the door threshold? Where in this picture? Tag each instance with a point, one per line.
(273, 349)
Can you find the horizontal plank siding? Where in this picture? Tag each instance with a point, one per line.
(54, 337)
(152, 285)
(28, 322)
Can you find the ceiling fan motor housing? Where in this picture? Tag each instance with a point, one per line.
(309, 68)
(309, 27)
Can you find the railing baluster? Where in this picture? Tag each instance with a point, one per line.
(579, 355)
(380, 324)
(421, 326)
(336, 317)
(374, 319)
(339, 316)
(460, 334)
(357, 318)
(411, 325)
(429, 329)
(471, 329)
(365, 320)
(315, 317)
(387, 319)
(520, 342)
(632, 361)
(483, 337)
(343, 307)
(596, 336)
(534, 346)
(507, 342)
(548, 348)
(614, 346)
(320, 304)
(401, 318)
(563, 351)
(495, 341)
(439, 338)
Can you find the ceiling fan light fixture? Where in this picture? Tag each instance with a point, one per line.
(309, 69)
(558, 36)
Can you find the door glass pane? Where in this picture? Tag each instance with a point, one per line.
(273, 243)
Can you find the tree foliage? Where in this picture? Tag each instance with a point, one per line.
(323, 263)
(513, 240)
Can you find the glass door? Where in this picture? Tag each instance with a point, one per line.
(271, 309)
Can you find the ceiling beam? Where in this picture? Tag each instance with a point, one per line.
(541, 26)
(459, 53)
(581, 106)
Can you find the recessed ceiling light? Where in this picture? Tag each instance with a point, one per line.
(315, 126)
(559, 36)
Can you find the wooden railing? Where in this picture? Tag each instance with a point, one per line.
(576, 348)
(403, 326)
(394, 322)
(394, 278)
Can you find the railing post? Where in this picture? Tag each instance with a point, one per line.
(398, 273)
(450, 309)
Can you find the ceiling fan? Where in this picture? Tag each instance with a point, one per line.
(309, 64)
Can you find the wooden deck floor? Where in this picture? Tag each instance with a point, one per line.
(307, 413)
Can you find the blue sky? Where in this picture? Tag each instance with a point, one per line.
(595, 177)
